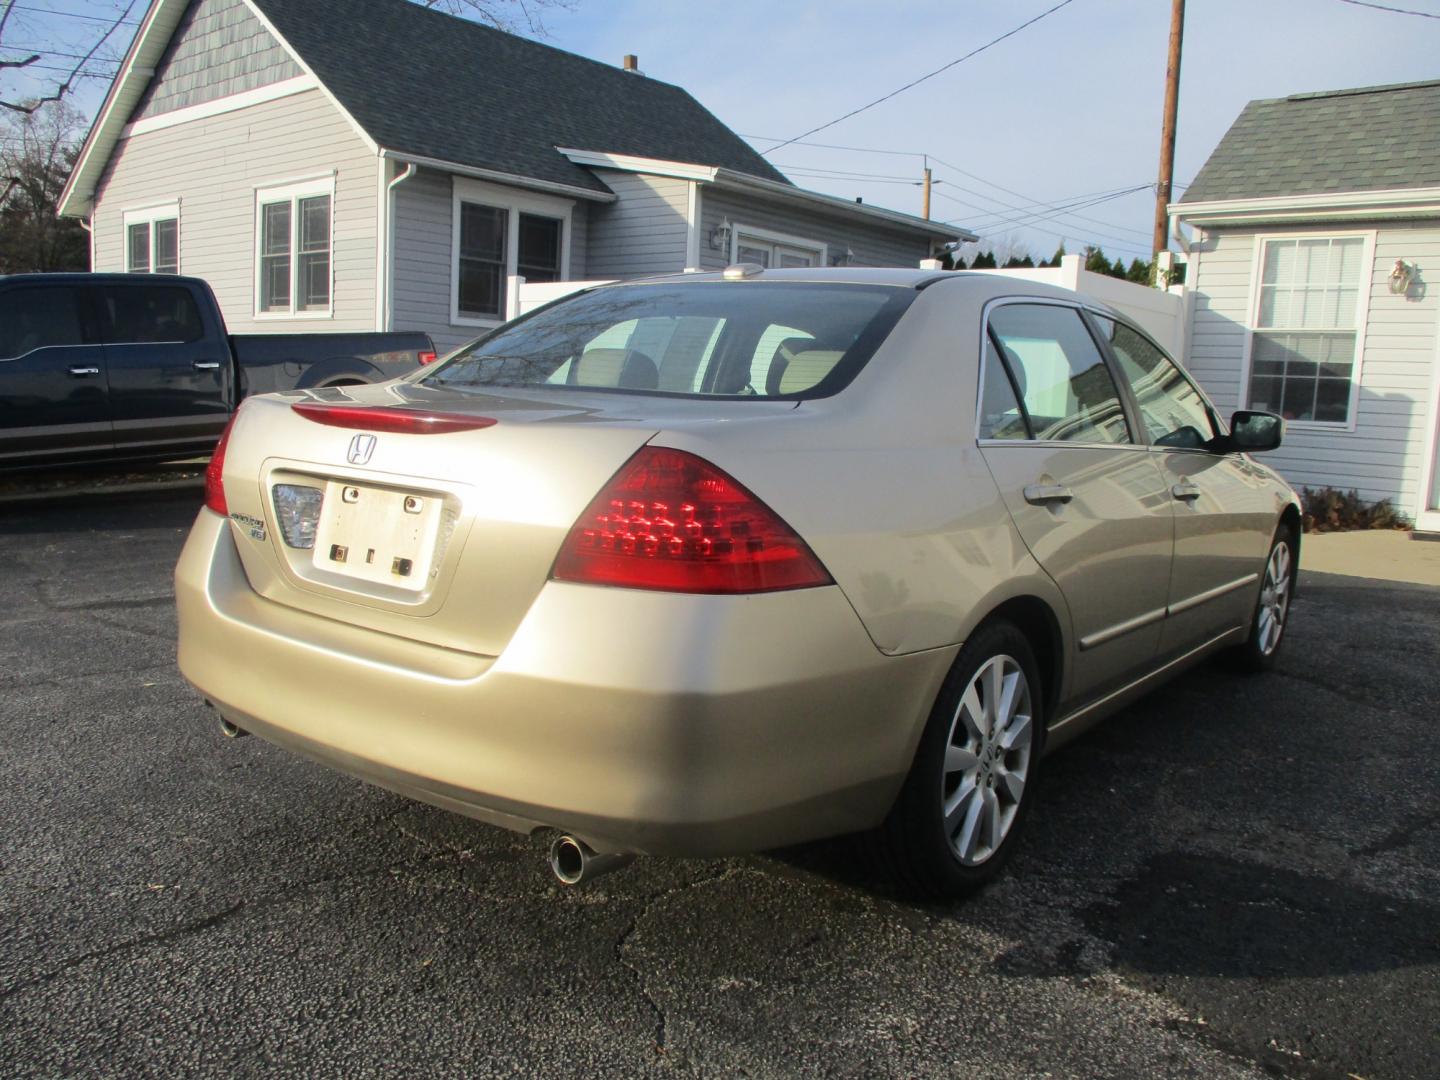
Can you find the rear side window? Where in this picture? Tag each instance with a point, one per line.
(150, 314)
(1172, 410)
(702, 339)
(38, 318)
(1065, 387)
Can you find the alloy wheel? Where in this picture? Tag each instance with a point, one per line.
(1274, 599)
(987, 760)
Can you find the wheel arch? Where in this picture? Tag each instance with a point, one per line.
(1037, 620)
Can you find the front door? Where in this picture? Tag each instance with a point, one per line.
(54, 399)
(1225, 510)
(1086, 496)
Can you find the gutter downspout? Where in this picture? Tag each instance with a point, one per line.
(88, 224)
(386, 300)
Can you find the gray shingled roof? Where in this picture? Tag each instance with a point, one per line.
(1368, 139)
(431, 85)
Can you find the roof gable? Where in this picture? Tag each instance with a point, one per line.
(427, 84)
(1372, 138)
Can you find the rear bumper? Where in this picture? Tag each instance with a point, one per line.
(642, 721)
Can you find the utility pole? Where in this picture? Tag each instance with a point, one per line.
(925, 213)
(1167, 131)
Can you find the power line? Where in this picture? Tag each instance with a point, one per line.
(77, 15)
(1058, 208)
(832, 146)
(1034, 221)
(922, 78)
(844, 174)
(1022, 195)
(1395, 10)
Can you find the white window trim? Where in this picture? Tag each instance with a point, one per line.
(1362, 315)
(148, 215)
(514, 202)
(293, 190)
(738, 229)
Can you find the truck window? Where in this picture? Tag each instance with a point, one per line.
(150, 314)
(38, 318)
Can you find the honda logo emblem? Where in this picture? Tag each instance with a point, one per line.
(361, 447)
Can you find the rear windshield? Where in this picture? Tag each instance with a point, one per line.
(702, 339)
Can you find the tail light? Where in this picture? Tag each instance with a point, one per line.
(672, 521)
(427, 357)
(387, 418)
(214, 473)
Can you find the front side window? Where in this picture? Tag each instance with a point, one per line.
(38, 318)
(723, 339)
(152, 240)
(1172, 410)
(1303, 345)
(293, 251)
(1065, 388)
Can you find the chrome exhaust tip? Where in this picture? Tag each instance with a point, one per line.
(574, 862)
(231, 731)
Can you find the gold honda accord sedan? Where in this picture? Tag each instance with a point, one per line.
(722, 562)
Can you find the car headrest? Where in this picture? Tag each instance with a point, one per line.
(784, 353)
(806, 368)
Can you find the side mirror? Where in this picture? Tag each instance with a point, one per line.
(1255, 432)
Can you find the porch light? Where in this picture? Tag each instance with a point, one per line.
(720, 235)
(844, 258)
(1401, 277)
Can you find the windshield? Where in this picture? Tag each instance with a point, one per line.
(701, 339)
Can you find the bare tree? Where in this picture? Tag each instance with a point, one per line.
(512, 16)
(38, 146)
(57, 60)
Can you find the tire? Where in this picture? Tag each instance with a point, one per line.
(1271, 616)
(950, 832)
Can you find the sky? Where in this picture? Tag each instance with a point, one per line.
(1064, 111)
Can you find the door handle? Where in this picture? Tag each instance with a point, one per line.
(81, 372)
(206, 365)
(1185, 492)
(1041, 494)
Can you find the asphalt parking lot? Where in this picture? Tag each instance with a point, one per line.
(1236, 877)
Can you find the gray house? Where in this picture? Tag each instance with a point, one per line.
(372, 164)
(1315, 231)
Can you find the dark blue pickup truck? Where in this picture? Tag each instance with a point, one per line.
(123, 367)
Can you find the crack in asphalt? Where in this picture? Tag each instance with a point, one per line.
(215, 919)
(628, 931)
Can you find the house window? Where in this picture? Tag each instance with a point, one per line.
(774, 250)
(500, 233)
(293, 248)
(152, 240)
(1303, 350)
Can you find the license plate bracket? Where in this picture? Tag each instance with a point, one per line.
(386, 536)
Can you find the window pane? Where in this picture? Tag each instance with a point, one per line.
(1172, 410)
(694, 339)
(1332, 400)
(144, 314)
(35, 318)
(1302, 358)
(539, 256)
(315, 223)
(757, 255)
(275, 256)
(138, 261)
(1066, 387)
(1297, 400)
(482, 260)
(314, 290)
(167, 246)
(1000, 416)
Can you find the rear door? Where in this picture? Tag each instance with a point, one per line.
(169, 374)
(1084, 493)
(54, 401)
(1224, 513)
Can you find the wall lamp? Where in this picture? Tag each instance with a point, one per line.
(720, 235)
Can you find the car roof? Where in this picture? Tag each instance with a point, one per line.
(81, 278)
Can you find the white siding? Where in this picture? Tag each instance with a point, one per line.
(213, 166)
(1384, 456)
(872, 242)
(643, 231)
(421, 278)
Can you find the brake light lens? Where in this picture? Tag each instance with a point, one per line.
(426, 357)
(672, 521)
(214, 473)
(385, 418)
